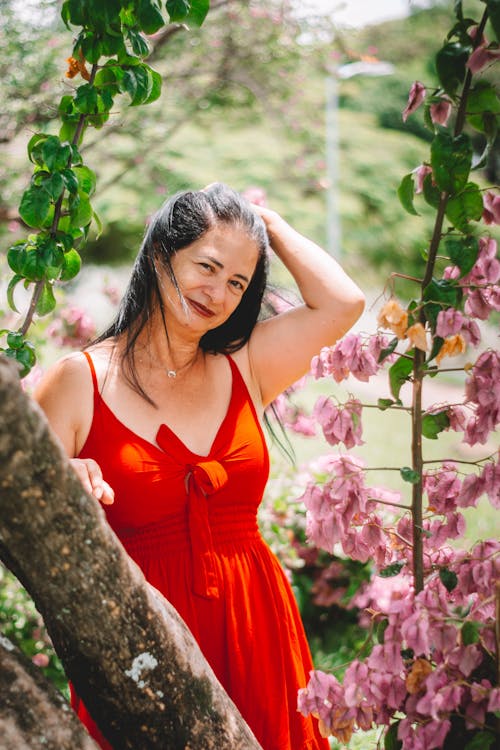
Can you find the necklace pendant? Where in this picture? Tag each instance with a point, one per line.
(171, 374)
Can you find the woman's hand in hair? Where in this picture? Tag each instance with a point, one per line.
(90, 475)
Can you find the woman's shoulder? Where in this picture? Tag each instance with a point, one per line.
(72, 372)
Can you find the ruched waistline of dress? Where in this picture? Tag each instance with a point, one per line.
(172, 534)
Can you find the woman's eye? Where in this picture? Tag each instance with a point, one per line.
(237, 285)
(207, 266)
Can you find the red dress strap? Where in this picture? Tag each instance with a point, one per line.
(94, 376)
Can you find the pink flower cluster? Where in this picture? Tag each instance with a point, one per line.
(480, 286)
(340, 424)
(343, 510)
(446, 492)
(451, 321)
(74, 328)
(433, 662)
(482, 389)
(353, 355)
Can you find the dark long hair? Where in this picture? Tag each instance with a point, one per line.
(184, 218)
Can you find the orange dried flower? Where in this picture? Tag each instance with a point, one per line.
(394, 317)
(73, 68)
(417, 675)
(77, 66)
(452, 347)
(416, 334)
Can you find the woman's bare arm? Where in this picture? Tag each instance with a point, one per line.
(281, 348)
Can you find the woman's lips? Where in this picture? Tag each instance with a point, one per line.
(201, 309)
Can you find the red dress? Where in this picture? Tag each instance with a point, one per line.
(190, 523)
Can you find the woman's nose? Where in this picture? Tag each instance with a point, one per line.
(216, 292)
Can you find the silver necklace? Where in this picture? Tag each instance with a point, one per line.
(171, 373)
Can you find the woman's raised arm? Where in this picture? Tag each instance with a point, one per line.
(281, 348)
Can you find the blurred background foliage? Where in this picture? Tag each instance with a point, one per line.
(243, 102)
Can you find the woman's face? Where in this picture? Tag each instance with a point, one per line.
(213, 274)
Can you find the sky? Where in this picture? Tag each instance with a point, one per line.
(360, 12)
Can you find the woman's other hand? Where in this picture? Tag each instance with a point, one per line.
(90, 475)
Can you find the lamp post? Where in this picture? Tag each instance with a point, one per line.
(336, 73)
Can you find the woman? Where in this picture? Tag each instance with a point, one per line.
(166, 433)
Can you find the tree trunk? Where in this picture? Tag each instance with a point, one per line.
(33, 714)
(130, 656)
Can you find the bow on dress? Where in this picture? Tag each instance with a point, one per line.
(202, 480)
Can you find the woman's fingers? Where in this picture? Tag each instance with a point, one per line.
(108, 494)
(90, 475)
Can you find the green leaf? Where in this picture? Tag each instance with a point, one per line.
(71, 265)
(138, 42)
(86, 179)
(436, 347)
(462, 252)
(198, 13)
(34, 206)
(470, 631)
(80, 210)
(55, 154)
(15, 340)
(35, 148)
(386, 403)
(25, 357)
(451, 160)
(488, 126)
(409, 475)
(178, 9)
(381, 628)
(10, 291)
(494, 16)
(448, 578)
(390, 570)
(399, 373)
(483, 98)
(98, 223)
(47, 301)
(138, 83)
(450, 65)
(406, 193)
(465, 206)
(388, 350)
(70, 180)
(431, 193)
(86, 99)
(149, 16)
(391, 741)
(440, 294)
(433, 424)
(482, 740)
(54, 184)
(157, 81)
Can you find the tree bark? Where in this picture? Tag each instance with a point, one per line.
(33, 714)
(129, 655)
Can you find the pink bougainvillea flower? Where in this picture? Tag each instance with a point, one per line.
(421, 173)
(482, 56)
(449, 322)
(256, 195)
(351, 356)
(415, 99)
(339, 424)
(491, 211)
(440, 111)
(40, 660)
